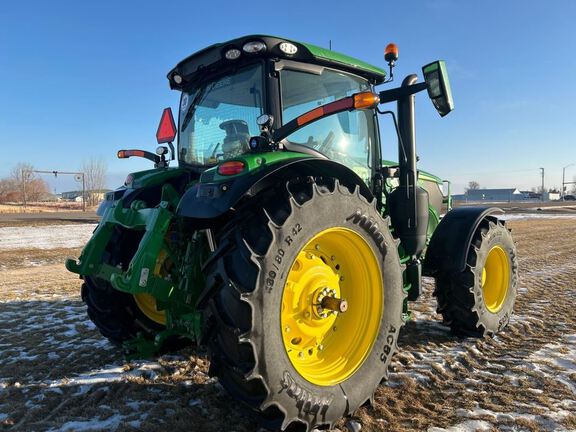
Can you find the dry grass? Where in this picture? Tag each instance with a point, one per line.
(47, 207)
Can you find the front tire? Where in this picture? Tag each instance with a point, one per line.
(120, 316)
(479, 301)
(278, 345)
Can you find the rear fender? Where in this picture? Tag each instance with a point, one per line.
(449, 245)
(212, 200)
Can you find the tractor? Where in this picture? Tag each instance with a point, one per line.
(283, 241)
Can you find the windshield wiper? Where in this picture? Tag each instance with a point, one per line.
(193, 106)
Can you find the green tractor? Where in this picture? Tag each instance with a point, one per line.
(283, 241)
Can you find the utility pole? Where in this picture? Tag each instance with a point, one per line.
(23, 178)
(563, 177)
(542, 194)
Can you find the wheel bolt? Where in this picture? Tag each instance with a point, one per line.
(301, 354)
(287, 329)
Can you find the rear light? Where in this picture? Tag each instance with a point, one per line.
(231, 168)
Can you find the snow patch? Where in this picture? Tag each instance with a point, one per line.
(94, 424)
(521, 216)
(45, 237)
(467, 426)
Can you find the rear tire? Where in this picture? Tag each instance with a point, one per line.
(259, 252)
(479, 300)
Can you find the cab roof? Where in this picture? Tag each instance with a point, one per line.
(213, 58)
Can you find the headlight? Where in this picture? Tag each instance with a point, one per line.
(288, 48)
(232, 54)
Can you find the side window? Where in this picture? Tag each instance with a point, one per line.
(345, 137)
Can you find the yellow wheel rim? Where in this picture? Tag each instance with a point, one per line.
(336, 270)
(495, 279)
(147, 304)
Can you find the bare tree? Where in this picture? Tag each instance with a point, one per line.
(37, 189)
(8, 190)
(94, 170)
(473, 185)
(26, 186)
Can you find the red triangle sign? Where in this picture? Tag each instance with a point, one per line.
(167, 128)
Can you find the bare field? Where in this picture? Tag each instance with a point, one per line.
(57, 373)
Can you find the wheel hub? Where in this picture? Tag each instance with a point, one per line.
(495, 279)
(328, 304)
(331, 306)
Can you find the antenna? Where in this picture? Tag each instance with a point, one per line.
(330, 44)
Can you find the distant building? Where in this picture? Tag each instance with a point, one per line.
(504, 195)
(552, 196)
(71, 195)
(495, 195)
(97, 195)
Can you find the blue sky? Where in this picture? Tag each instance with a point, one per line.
(84, 79)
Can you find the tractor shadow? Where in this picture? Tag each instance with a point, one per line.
(421, 333)
(56, 369)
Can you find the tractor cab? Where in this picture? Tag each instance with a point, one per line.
(227, 87)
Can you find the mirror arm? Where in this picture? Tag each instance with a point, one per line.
(396, 93)
(173, 156)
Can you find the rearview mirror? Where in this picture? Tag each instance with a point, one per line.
(438, 85)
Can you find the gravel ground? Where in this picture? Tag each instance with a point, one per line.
(58, 374)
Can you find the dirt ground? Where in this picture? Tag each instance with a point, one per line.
(58, 374)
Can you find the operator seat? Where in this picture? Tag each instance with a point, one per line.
(236, 139)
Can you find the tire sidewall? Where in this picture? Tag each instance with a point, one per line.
(497, 235)
(313, 403)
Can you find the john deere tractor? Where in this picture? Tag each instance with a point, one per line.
(283, 240)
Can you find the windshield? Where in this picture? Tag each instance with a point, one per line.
(218, 118)
(345, 137)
